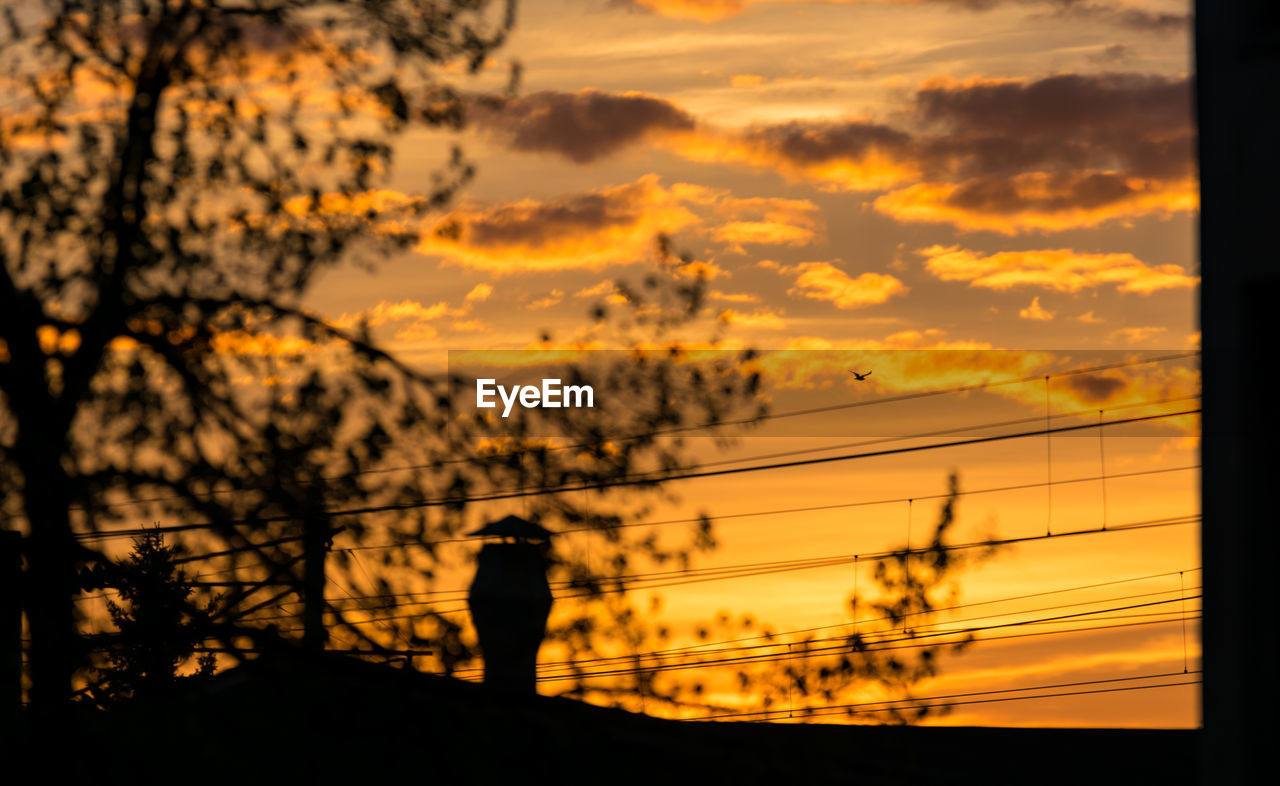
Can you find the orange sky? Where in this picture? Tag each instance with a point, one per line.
(855, 177)
(1013, 174)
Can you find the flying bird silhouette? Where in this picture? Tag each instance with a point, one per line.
(858, 376)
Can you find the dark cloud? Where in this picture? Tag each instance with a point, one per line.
(1052, 153)
(1121, 15)
(812, 143)
(582, 126)
(1108, 12)
(1137, 123)
(1113, 54)
(1061, 143)
(537, 224)
(586, 230)
(1055, 193)
(1095, 388)
(1063, 104)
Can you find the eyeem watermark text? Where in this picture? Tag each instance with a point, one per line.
(552, 395)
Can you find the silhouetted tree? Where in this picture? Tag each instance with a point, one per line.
(884, 652)
(156, 630)
(878, 660)
(175, 174)
(652, 390)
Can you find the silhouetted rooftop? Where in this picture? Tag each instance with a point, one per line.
(292, 719)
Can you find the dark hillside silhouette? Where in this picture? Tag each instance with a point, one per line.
(265, 722)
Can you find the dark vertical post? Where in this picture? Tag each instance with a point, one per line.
(1237, 74)
(10, 627)
(315, 551)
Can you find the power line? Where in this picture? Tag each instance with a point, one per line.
(917, 700)
(922, 394)
(782, 454)
(700, 647)
(839, 407)
(644, 581)
(359, 598)
(916, 640)
(743, 421)
(903, 642)
(624, 482)
(627, 482)
(822, 562)
(1026, 596)
(878, 637)
(811, 508)
(943, 432)
(721, 517)
(746, 570)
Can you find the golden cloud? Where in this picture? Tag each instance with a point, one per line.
(405, 310)
(597, 290)
(614, 225)
(905, 361)
(697, 268)
(1061, 269)
(699, 10)
(417, 331)
(825, 281)
(605, 289)
(412, 320)
(761, 318)
(1035, 311)
(1136, 335)
(1050, 202)
(590, 230)
(480, 292)
(790, 222)
(734, 297)
(471, 326)
(854, 155)
(550, 299)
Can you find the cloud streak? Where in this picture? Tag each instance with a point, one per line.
(1111, 12)
(1060, 269)
(612, 226)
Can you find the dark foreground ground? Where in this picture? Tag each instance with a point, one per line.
(343, 721)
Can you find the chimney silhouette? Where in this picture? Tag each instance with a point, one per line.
(510, 601)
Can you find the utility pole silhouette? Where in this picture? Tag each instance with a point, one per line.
(10, 629)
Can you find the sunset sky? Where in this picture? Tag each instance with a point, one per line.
(884, 174)
(995, 198)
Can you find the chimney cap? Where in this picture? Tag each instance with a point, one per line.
(513, 527)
